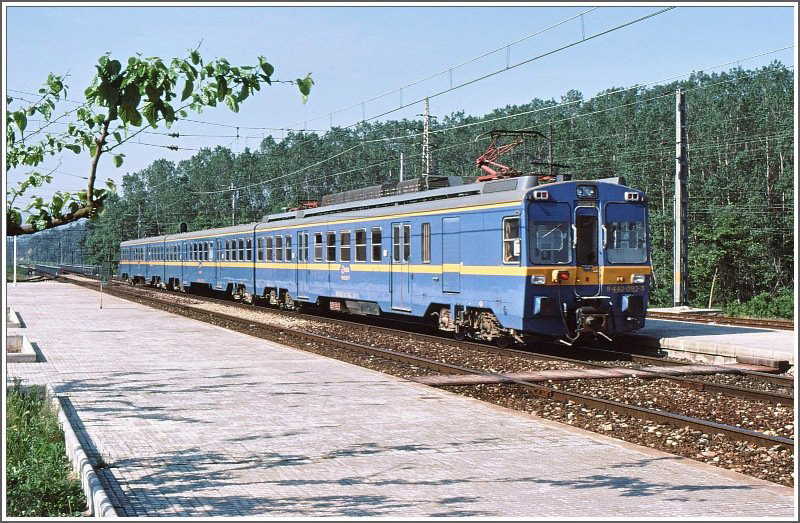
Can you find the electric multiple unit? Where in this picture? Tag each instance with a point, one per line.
(496, 260)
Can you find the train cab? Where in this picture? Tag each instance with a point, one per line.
(588, 246)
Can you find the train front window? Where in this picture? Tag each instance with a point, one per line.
(549, 233)
(626, 240)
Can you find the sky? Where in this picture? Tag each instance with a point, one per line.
(358, 53)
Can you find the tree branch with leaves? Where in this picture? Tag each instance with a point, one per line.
(120, 103)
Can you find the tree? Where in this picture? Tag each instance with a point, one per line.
(120, 103)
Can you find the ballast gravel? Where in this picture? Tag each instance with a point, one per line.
(775, 463)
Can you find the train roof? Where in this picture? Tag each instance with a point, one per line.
(459, 196)
(511, 189)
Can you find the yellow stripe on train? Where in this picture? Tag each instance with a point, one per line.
(608, 274)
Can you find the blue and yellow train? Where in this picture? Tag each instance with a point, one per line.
(496, 260)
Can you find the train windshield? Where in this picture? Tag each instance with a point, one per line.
(549, 233)
(626, 240)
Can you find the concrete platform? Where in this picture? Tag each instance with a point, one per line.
(193, 420)
(718, 344)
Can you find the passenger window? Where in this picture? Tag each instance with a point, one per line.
(396, 243)
(511, 240)
(305, 246)
(269, 248)
(331, 247)
(299, 246)
(406, 242)
(279, 248)
(249, 250)
(241, 249)
(288, 248)
(426, 243)
(318, 246)
(260, 249)
(376, 244)
(210, 250)
(361, 245)
(344, 246)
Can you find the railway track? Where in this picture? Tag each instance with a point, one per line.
(549, 351)
(270, 331)
(724, 320)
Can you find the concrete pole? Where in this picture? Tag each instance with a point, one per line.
(426, 146)
(402, 165)
(233, 206)
(681, 238)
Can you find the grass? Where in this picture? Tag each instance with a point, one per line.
(765, 305)
(40, 482)
(22, 274)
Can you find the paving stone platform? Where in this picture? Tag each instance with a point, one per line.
(719, 343)
(194, 420)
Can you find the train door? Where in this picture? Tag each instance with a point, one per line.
(451, 254)
(148, 271)
(586, 234)
(303, 272)
(184, 255)
(401, 257)
(215, 259)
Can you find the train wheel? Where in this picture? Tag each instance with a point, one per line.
(459, 334)
(503, 342)
(288, 302)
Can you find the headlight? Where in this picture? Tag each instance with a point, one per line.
(637, 278)
(586, 191)
(537, 280)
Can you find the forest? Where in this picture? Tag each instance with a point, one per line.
(741, 178)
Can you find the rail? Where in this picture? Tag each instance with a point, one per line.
(257, 328)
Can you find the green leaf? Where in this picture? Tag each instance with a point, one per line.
(188, 88)
(222, 88)
(113, 68)
(118, 137)
(149, 112)
(117, 160)
(14, 216)
(195, 57)
(266, 66)
(73, 147)
(232, 103)
(169, 113)
(305, 86)
(21, 120)
(112, 187)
